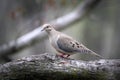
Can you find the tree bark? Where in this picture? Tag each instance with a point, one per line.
(36, 35)
(51, 67)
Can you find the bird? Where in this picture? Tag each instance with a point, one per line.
(65, 44)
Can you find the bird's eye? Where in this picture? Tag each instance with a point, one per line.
(47, 27)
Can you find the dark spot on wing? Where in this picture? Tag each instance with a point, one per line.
(78, 46)
(73, 45)
(70, 42)
(77, 43)
(66, 45)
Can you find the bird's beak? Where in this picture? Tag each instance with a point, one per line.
(42, 29)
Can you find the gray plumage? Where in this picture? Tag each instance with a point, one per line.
(70, 46)
(65, 44)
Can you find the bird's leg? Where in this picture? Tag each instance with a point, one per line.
(64, 55)
(61, 55)
(67, 55)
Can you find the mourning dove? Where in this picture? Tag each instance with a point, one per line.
(65, 44)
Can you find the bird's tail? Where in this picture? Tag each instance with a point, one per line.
(97, 55)
(86, 50)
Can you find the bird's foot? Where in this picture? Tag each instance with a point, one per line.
(63, 55)
(67, 55)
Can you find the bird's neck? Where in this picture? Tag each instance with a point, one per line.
(53, 32)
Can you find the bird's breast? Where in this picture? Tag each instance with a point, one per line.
(53, 41)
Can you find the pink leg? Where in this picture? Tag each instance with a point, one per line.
(61, 55)
(67, 56)
(64, 55)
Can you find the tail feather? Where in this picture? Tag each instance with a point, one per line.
(84, 49)
(97, 55)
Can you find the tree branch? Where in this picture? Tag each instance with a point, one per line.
(36, 35)
(49, 67)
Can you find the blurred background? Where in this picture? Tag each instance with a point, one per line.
(99, 31)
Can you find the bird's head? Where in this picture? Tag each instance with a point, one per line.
(47, 27)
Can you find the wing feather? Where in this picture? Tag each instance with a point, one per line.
(70, 45)
(66, 44)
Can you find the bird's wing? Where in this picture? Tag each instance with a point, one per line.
(68, 44)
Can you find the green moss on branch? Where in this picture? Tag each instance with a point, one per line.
(49, 67)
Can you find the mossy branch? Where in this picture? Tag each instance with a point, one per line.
(51, 67)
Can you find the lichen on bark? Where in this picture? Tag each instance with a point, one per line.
(49, 67)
